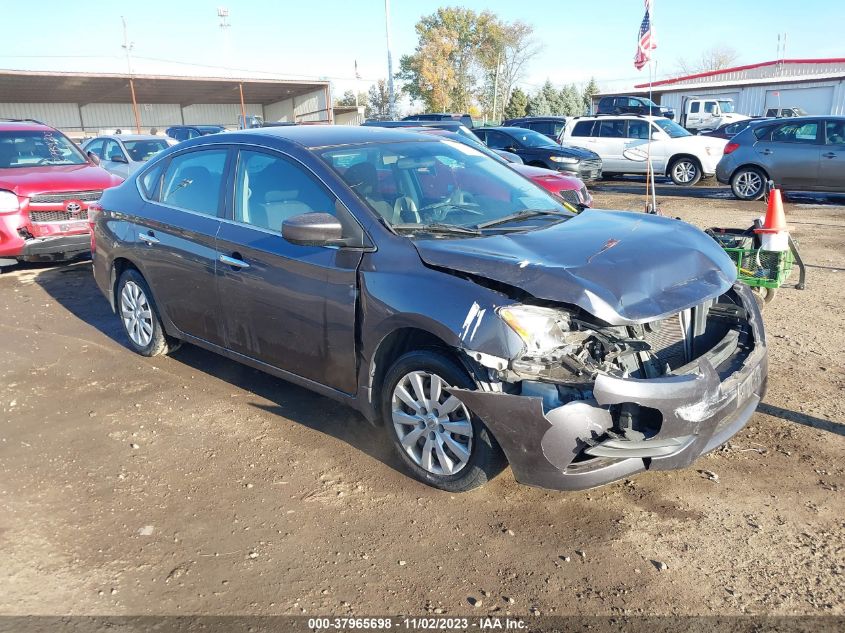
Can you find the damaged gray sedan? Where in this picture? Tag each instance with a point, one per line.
(458, 306)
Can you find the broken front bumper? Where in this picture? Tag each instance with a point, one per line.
(700, 410)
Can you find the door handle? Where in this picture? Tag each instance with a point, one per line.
(767, 152)
(829, 155)
(234, 262)
(148, 237)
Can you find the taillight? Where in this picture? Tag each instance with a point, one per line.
(730, 147)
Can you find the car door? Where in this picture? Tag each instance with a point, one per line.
(176, 239)
(114, 159)
(791, 154)
(832, 162)
(637, 150)
(286, 305)
(610, 145)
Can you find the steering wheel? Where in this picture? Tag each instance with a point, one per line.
(45, 161)
(405, 211)
(459, 201)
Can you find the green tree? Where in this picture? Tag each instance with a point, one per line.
(538, 106)
(552, 98)
(571, 102)
(348, 99)
(590, 91)
(516, 104)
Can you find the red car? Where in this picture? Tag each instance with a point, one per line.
(570, 188)
(46, 185)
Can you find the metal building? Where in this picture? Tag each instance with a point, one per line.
(816, 85)
(84, 103)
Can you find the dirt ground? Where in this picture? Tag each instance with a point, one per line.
(190, 484)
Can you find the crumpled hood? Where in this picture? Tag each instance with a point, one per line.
(620, 267)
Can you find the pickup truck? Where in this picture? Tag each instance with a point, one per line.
(699, 115)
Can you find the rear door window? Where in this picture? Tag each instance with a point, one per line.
(612, 129)
(797, 132)
(193, 181)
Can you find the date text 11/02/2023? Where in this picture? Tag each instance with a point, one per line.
(416, 623)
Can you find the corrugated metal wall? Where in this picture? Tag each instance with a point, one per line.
(62, 115)
(308, 107)
(222, 113)
(751, 100)
(96, 116)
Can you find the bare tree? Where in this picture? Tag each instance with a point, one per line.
(518, 47)
(715, 58)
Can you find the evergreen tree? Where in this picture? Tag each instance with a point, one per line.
(590, 90)
(516, 105)
(538, 105)
(552, 97)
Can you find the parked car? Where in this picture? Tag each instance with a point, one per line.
(623, 144)
(729, 130)
(785, 112)
(46, 186)
(798, 154)
(625, 104)
(538, 150)
(184, 132)
(454, 127)
(702, 115)
(441, 116)
(123, 154)
(551, 126)
(455, 304)
(569, 188)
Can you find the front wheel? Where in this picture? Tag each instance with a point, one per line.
(437, 438)
(685, 172)
(748, 183)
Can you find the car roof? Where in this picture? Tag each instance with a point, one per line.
(132, 137)
(317, 136)
(610, 117)
(550, 117)
(17, 125)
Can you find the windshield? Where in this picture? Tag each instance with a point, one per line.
(28, 149)
(141, 151)
(726, 106)
(648, 102)
(441, 184)
(530, 138)
(671, 128)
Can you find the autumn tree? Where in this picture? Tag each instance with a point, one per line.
(463, 58)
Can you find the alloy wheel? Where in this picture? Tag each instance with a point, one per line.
(748, 184)
(684, 171)
(432, 425)
(136, 313)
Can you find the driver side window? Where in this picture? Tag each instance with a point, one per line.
(497, 140)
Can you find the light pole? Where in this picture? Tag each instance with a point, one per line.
(390, 95)
(128, 46)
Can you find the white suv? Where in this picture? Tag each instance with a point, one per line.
(622, 143)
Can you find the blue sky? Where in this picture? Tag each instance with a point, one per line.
(323, 39)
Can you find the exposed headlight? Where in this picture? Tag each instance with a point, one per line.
(563, 159)
(9, 202)
(541, 329)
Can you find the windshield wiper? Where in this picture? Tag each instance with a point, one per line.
(521, 215)
(438, 227)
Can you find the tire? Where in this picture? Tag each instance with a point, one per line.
(748, 183)
(139, 316)
(685, 171)
(465, 446)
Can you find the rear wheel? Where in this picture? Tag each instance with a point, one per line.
(139, 316)
(685, 172)
(748, 183)
(435, 435)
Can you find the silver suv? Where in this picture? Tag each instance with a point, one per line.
(798, 154)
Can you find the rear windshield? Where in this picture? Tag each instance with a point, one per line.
(144, 150)
(31, 148)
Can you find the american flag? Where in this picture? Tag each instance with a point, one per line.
(648, 41)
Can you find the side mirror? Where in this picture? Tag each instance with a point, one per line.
(313, 229)
(118, 158)
(93, 158)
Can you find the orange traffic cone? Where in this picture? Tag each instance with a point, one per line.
(775, 232)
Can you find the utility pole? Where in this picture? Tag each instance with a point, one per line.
(127, 47)
(390, 94)
(496, 84)
(223, 14)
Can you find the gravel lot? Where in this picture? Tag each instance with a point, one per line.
(191, 484)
